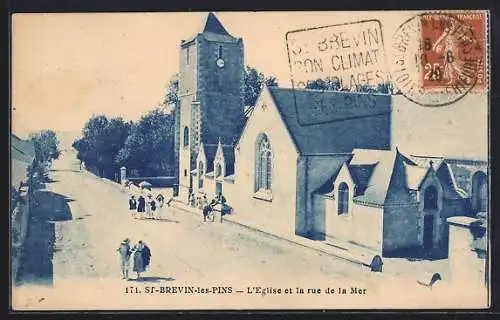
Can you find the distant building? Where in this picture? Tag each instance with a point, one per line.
(22, 159)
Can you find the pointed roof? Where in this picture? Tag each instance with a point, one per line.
(212, 24)
(213, 30)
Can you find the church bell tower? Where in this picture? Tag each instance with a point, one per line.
(211, 79)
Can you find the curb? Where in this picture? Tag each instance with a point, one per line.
(355, 261)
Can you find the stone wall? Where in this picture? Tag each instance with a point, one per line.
(219, 90)
(468, 254)
(401, 227)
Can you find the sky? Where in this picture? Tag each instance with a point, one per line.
(67, 67)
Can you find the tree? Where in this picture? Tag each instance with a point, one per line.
(46, 146)
(172, 94)
(326, 84)
(329, 84)
(254, 82)
(150, 145)
(101, 141)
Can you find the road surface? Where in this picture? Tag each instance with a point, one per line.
(71, 259)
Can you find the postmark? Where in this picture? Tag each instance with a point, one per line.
(344, 57)
(439, 57)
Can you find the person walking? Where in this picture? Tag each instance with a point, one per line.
(192, 200)
(139, 255)
(154, 208)
(159, 210)
(141, 206)
(132, 205)
(146, 255)
(125, 252)
(149, 211)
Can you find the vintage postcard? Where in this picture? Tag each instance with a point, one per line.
(250, 160)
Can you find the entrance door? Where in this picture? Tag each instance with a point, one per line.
(428, 230)
(218, 188)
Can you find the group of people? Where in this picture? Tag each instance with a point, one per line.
(209, 207)
(147, 207)
(141, 256)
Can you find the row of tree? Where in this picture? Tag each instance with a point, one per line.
(333, 84)
(146, 146)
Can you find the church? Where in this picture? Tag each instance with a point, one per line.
(290, 168)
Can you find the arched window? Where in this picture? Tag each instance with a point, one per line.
(343, 199)
(263, 164)
(200, 168)
(431, 198)
(218, 170)
(186, 136)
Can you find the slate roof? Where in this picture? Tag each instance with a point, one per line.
(213, 30)
(327, 187)
(212, 24)
(321, 137)
(229, 156)
(382, 163)
(210, 151)
(361, 175)
(228, 151)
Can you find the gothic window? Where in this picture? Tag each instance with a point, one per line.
(187, 55)
(185, 173)
(186, 136)
(263, 164)
(200, 175)
(343, 199)
(218, 170)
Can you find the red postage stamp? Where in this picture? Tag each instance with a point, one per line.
(439, 57)
(454, 49)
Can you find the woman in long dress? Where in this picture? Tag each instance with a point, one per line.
(141, 206)
(139, 265)
(149, 210)
(160, 199)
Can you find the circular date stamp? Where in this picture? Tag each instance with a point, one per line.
(440, 57)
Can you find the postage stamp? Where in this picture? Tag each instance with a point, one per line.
(439, 57)
(267, 160)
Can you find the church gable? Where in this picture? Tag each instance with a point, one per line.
(265, 118)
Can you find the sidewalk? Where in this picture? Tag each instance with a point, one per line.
(338, 250)
(393, 268)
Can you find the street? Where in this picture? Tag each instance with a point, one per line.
(71, 259)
